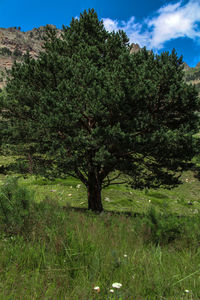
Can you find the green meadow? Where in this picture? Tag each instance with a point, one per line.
(147, 241)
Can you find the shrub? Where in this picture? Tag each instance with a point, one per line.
(17, 52)
(14, 205)
(161, 228)
(5, 51)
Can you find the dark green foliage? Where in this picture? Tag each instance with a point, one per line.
(198, 86)
(5, 51)
(14, 205)
(2, 76)
(17, 52)
(162, 228)
(192, 75)
(87, 108)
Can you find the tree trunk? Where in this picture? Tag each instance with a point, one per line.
(94, 194)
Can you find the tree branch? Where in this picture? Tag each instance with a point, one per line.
(106, 185)
(81, 176)
(109, 180)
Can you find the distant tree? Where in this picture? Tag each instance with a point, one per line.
(5, 51)
(89, 109)
(17, 53)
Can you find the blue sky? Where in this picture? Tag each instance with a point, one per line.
(160, 25)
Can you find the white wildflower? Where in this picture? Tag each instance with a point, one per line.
(116, 285)
(111, 291)
(69, 195)
(125, 255)
(97, 289)
(78, 186)
(149, 200)
(187, 291)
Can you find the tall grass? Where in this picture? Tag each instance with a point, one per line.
(65, 253)
(53, 248)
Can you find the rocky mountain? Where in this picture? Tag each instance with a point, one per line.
(14, 43)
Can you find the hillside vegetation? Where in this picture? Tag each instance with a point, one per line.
(192, 75)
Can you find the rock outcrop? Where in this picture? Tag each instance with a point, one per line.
(134, 48)
(14, 43)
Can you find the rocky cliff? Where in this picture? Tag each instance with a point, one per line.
(14, 43)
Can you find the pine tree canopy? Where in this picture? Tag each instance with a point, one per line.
(89, 109)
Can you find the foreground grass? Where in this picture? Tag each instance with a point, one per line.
(63, 251)
(64, 254)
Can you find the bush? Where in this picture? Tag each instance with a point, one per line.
(17, 53)
(15, 203)
(161, 229)
(5, 51)
(19, 166)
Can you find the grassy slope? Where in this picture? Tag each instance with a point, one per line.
(183, 200)
(64, 253)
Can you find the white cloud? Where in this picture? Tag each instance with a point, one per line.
(110, 25)
(169, 22)
(174, 21)
(132, 29)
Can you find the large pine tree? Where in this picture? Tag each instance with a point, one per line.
(88, 108)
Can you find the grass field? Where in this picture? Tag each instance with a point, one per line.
(62, 251)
